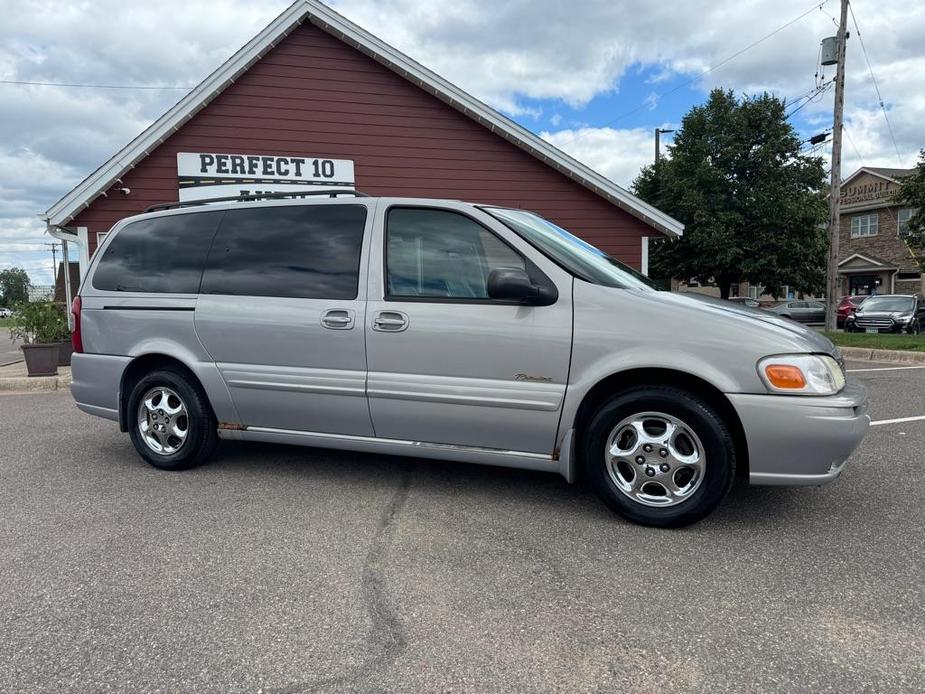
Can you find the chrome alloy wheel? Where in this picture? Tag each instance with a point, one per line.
(163, 420)
(655, 459)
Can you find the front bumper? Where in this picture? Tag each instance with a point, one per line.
(801, 440)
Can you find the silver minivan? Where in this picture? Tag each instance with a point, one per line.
(453, 331)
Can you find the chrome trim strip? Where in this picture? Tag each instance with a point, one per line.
(295, 387)
(401, 442)
(451, 399)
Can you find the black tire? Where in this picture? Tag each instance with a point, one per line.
(698, 415)
(201, 426)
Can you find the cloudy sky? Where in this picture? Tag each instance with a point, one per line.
(594, 77)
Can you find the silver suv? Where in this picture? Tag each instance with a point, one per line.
(449, 330)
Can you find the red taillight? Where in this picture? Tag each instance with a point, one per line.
(76, 339)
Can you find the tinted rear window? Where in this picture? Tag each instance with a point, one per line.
(164, 255)
(305, 251)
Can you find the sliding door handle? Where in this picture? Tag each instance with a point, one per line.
(390, 322)
(337, 319)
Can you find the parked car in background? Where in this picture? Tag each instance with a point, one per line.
(801, 311)
(847, 305)
(5, 313)
(449, 330)
(745, 301)
(889, 313)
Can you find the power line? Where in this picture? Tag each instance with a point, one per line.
(844, 129)
(873, 79)
(728, 59)
(813, 96)
(91, 86)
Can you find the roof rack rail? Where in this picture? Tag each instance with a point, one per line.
(161, 206)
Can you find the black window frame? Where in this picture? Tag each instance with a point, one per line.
(536, 275)
(363, 234)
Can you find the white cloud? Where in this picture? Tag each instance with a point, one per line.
(618, 154)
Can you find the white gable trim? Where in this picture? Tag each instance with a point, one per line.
(102, 179)
(864, 170)
(864, 258)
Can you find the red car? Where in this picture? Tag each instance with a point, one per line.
(847, 306)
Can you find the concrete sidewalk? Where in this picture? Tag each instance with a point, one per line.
(899, 356)
(9, 348)
(13, 378)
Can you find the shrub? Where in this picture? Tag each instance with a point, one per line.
(38, 322)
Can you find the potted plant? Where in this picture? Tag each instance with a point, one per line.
(39, 324)
(65, 345)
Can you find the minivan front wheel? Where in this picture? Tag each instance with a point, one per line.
(659, 455)
(170, 421)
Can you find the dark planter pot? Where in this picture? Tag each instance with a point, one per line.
(41, 360)
(65, 350)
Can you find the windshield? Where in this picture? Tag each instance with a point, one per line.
(571, 252)
(887, 303)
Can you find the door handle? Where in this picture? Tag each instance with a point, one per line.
(390, 322)
(337, 319)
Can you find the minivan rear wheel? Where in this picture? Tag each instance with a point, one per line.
(170, 421)
(659, 455)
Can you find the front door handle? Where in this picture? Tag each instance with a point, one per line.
(337, 319)
(390, 322)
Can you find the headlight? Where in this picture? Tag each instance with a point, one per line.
(801, 374)
(902, 319)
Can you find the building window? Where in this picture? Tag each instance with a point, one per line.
(100, 237)
(864, 225)
(902, 220)
(909, 276)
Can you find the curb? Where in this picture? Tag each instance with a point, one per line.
(24, 384)
(890, 355)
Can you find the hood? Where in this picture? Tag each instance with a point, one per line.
(816, 341)
(881, 314)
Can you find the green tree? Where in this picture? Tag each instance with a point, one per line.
(912, 193)
(752, 204)
(14, 286)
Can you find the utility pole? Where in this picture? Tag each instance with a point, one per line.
(54, 261)
(658, 144)
(831, 268)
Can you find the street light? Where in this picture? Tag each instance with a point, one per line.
(658, 133)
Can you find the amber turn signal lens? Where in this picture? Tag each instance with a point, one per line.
(785, 376)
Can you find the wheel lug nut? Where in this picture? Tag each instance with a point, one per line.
(664, 467)
(663, 452)
(647, 448)
(650, 471)
(640, 459)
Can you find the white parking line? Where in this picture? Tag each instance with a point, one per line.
(900, 420)
(886, 368)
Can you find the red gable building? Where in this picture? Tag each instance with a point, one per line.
(315, 85)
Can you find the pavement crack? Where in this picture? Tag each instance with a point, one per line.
(386, 637)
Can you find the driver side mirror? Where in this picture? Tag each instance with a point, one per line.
(513, 284)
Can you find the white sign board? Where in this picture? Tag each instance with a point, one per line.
(207, 175)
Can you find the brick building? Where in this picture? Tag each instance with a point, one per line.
(316, 90)
(872, 252)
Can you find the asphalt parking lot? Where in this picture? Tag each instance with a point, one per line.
(295, 570)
